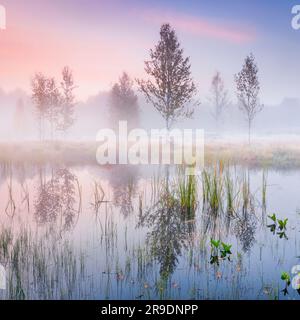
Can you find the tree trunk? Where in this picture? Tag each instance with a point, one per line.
(167, 167)
(249, 131)
(40, 127)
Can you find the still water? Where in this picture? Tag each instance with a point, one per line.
(107, 233)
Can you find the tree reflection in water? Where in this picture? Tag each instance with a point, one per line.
(124, 182)
(56, 199)
(245, 226)
(169, 233)
(245, 229)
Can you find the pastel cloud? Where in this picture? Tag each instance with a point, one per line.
(97, 52)
(201, 27)
(96, 60)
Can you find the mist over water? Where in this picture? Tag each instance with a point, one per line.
(73, 227)
(122, 244)
(18, 121)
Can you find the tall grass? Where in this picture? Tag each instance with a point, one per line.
(246, 196)
(229, 187)
(224, 192)
(11, 205)
(264, 190)
(40, 267)
(187, 193)
(213, 188)
(98, 196)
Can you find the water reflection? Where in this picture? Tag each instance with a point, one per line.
(245, 229)
(56, 198)
(145, 225)
(169, 232)
(124, 182)
(246, 224)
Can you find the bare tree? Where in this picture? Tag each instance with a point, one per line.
(248, 88)
(67, 101)
(170, 87)
(123, 102)
(219, 98)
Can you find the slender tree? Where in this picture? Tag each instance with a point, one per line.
(170, 88)
(123, 102)
(219, 98)
(67, 100)
(248, 87)
(40, 99)
(53, 104)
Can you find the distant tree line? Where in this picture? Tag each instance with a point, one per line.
(169, 88)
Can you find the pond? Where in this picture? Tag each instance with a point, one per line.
(131, 232)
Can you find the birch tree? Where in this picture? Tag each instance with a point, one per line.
(219, 98)
(40, 99)
(170, 87)
(248, 88)
(67, 100)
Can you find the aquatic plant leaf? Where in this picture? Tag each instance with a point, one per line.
(273, 217)
(282, 224)
(272, 228)
(285, 291)
(226, 248)
(284, 276)
(215, 243)
(282, 235)
(214, 259)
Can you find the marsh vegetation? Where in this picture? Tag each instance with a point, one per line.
(73, 229)
(134, 233)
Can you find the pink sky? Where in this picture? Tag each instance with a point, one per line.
(200, 27)
(97, 53)
(100, 39)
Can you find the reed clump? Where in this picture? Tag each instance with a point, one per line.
(223, 191)
(40, 267)
(187, 193)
